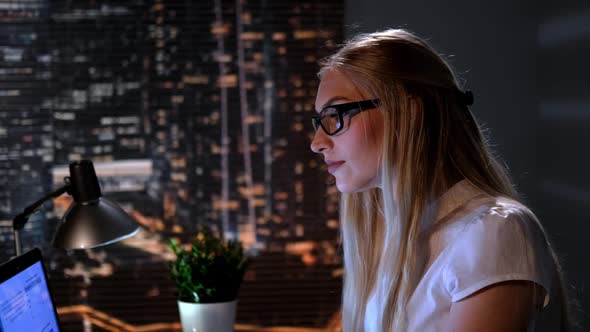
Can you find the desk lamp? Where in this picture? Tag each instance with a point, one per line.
(90, 221)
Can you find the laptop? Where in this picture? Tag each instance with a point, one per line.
(26, 303)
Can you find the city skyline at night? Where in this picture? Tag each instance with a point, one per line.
(193, 113)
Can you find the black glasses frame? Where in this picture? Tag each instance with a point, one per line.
(352, 109)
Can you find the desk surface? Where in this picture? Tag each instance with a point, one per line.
(85, 314)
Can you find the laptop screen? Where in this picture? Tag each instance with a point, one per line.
(25, 300)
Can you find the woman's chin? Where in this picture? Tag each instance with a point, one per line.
(342, 187)
(346, 188)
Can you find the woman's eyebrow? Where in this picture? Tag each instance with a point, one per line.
(333, 99)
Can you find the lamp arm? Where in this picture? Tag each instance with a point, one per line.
(21, 219)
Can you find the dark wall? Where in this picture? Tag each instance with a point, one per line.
(563, 136)
(527, 65)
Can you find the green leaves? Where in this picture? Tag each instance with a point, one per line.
(210, 271)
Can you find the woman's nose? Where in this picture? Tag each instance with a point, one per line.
(320, 141)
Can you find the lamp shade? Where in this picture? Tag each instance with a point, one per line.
(94, 224)
(91, 220)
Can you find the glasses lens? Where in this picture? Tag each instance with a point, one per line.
(315, 122)
(330, 120)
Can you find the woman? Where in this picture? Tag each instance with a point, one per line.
(433, 234)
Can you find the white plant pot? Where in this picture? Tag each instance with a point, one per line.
(207, 317)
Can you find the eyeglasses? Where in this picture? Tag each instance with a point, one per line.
(333, 118)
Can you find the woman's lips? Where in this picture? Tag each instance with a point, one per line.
(334, 165)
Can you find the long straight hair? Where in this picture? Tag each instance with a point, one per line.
(431, 141)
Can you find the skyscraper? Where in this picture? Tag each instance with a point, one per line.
(26, 145)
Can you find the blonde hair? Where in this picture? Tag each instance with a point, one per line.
(431, 141)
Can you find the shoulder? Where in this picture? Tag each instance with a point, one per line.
(500, 219)
(499, 224)
(489, 218)
(499, 240)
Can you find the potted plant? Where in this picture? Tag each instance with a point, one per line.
(208, 273)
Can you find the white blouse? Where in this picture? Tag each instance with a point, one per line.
(476, 241)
